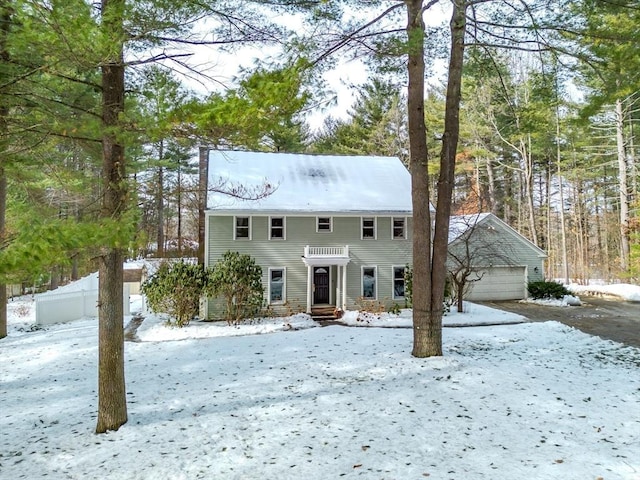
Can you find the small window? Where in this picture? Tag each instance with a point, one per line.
(369, 288)
(324, 224)
(398, 283)
(368, 227)
(399, 232)
(276, 285)
(276, 228)
(243, 228)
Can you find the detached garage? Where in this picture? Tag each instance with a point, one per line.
(483, 246)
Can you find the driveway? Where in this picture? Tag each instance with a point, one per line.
(611, 319)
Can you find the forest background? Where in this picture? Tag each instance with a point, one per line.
(100, 121)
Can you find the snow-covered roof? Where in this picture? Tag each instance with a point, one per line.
(460, 224)
(311, 183)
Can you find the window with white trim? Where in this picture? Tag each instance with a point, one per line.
(324, 224)
(399, 228)
(276, 285)
(368, 228)
(242, 229)
(398, 283)
(276, 228)
(369, 283)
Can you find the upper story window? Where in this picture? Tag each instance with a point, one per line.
(242, 229)
(324, 224)
(368, 228)
(399, 228)
(276, 228)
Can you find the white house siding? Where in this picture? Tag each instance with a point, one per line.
(383, 252)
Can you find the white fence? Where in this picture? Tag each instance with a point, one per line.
(69, 306)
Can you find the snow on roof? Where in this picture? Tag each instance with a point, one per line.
(460, 224)
(311, 183)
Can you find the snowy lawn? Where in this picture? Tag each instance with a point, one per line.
(531, 400)
(624, 291)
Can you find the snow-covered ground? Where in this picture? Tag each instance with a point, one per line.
(624, 291)
(283, 399)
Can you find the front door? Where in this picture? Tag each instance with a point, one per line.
(321, 285)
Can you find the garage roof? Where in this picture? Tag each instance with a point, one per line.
(460, 224)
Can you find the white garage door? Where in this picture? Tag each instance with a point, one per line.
(500, 283)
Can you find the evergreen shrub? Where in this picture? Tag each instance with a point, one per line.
(238, 279)
(175, 289)
(547, 290)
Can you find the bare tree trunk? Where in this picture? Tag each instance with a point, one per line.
(528, 162)
(492, 187)
(605, 239)
(563, 225)
(160, 203)
(74, 267)
(6, 10)
(203, 187)
(179, 202)
(624, 189)
(581, 238)
(112, 401)
(632, 163)
(428, 303)
(507, 197)
(550, 246)
(460, 286)
(3, 209)
(55, 278)
(563, 231)
(424, 333)
(448, 153)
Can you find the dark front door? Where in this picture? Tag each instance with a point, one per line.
(321, 285)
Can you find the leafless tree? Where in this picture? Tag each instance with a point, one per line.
(474, 248)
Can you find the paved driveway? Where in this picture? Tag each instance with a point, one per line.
(611, 319)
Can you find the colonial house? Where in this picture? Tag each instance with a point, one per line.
(332, 232)
(335, 232)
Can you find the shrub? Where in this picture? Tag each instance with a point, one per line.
(545, 289)
(238, 279)
(175, 289)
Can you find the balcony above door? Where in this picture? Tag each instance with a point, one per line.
(318, 256)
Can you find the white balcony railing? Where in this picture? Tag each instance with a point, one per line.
(342, 251)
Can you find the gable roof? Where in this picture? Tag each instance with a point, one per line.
(311, 183)
(461, 224)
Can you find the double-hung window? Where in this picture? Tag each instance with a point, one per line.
(369, 283)
(276, 285)
(242, 229)
(398, 283)
(324, 224)
(399, 228)
(368, 228)
(276, 228)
